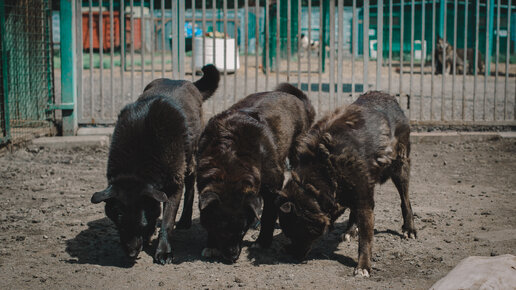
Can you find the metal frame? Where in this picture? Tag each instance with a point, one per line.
(316, 82)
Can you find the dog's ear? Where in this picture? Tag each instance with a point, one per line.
(287, 207)
(254, 203)
(103, 195)
(207, 198)
(155, 194)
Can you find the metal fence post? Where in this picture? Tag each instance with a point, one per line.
(68, 68)
(4, 104)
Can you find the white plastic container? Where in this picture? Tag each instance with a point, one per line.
(218, 61)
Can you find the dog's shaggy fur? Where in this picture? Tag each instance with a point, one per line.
(341, 158)
(151, 159)
(241, 161)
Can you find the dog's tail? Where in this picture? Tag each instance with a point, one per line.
(290, 89)
(209, 82)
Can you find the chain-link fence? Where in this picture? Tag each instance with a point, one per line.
(27, 71)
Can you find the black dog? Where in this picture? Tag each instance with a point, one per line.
(340, 159)
(241, 161)
(151, 159)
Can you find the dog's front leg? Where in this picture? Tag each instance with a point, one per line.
(164, 253)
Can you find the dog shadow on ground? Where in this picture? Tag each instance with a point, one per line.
(187, 244)
(324, 249)
(99, 245)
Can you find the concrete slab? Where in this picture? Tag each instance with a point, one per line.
(72, 141)
(511, 134)
(434, 137)
(106, 131)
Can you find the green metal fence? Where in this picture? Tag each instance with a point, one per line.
(27, 71)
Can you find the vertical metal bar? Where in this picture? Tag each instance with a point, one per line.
(132, 49)
(256, 42)
(173, 37)
(390, 46)
(487, 57)
(236, 22)
(319, 61)
(193, 40)
(180, 15)
(278, 20)
(203, 32)
(332, 56)
(246, 44)
(455, 16)
(289, 38)
(308, 48)
(68, 69)
(153, 37)
(497, 56)
(122, 50)
(214, 55)
(443, 85)
(112, 48)
(433, 64)
(101, 60)
(412, 28)
(299, 11)
(266, 62)
(477, 18)
(507, 57)
(354, 44)
(90, 22)
(365, 45)
(465, 61)
(379, 44)
(225, 22)
(162, 38)
(423, 58)
(142, 52)
(340, 8)
(402, 28)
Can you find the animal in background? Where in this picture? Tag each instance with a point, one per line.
(464, 60)
(152, 159)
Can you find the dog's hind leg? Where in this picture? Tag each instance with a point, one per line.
(400, 177)
(185, 222)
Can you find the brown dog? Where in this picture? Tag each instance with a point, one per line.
(241, 162)
(339, 161)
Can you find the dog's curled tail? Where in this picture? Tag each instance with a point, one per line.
(290, 89)
(209, 82)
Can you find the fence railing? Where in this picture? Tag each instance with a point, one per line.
(448, 62)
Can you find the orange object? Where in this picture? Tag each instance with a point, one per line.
(106, 33)
(137, 32)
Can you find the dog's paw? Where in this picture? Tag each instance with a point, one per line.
(210, 252)
(361, 272)
(348, 235)
(409, 234)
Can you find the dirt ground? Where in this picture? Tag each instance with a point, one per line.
(463, 196)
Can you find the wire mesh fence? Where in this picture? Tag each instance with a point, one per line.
(446, 61)
(27, 71)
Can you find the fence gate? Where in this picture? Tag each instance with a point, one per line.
(334, 50)
(26, 69)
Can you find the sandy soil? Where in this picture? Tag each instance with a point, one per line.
(463, 196)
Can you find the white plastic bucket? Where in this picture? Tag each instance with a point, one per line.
(219, 57)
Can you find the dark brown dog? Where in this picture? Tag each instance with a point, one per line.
(151, 160)
(340, 159)
(241, 162)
